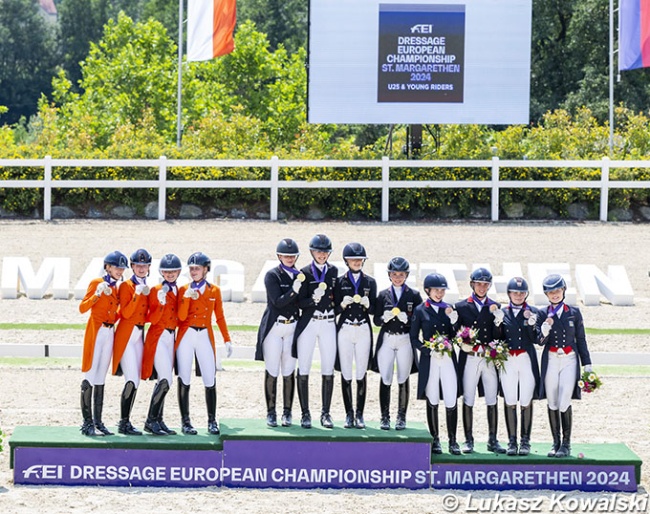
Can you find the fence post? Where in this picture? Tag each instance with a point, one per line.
(275, 173)
(47, 188)
(385, 177)
(495, 188)
(604, 188)
(162, 187)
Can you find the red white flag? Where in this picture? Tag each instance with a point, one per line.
(210, 27)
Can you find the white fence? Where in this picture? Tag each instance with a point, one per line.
(275, 184)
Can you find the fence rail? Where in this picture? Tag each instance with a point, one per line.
(604, 184)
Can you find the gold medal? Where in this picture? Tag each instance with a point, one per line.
(323, 286)
(356, 298)
(300, 277)
(396, 311)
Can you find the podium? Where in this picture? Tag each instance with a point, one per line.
(250, 454)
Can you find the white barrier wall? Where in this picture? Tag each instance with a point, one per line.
(53, 277)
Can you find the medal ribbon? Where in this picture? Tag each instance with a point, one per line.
(198, 285)
(137, 282)
(523, 306)
(319, 277)
(552, 311)
(293, 271)
(440, 305)
(394, 295)
(355, 284)
(108, 279)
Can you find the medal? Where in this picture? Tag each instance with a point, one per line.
(549, 321)
(322, 285)
(527, 314)
(396, 311)
(356, 298)
(300, 277)
(449, 310)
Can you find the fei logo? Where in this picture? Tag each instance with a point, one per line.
(421, 28)
(44, 471)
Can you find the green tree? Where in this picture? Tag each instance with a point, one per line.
(165, 12)
(27, 58)
(283, 21)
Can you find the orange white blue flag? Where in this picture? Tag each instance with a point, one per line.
(210, 27)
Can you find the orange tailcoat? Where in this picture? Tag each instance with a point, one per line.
(161, 317)
(133, 311)
(198, 313)
(103, 309)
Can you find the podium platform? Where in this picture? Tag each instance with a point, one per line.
(250, 454)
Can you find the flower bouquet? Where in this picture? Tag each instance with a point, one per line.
(497, 352)
(466, 338)
(439, 345)
(589, 382)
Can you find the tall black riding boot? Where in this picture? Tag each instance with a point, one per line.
(554, 424)
(452, 425)
(161, 421)
(288, 388)
(211, 404)
(526, 428)
(402, 404)
(432, 423)
(184, 407)
(361, 402)
(98, 407)
(270, 393)
(493, 423)
(88, 427)
(511, 427)
(152, 425)
(303, 397)
(384, 405)
(468, 428)
(126, 405)
(346, 391)
(566, 418)
(327, 390)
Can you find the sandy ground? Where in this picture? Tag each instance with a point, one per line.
(48, 395)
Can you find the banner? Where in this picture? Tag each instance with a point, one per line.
(634, 34)
(210, 27)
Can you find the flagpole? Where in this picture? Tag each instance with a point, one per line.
(179, 128)
(611, 77)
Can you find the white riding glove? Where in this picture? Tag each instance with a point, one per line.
(296, 286)
(317, 295)
(191, 293)
(532, 321)
(387, 316)
(498, 317)
(162, 297)
(365, 302)
(102, 287)
(142, 289)
(228, 349)
(453, 317)
(347, 300)
(589, 369)
(546, 329)
(403, 317)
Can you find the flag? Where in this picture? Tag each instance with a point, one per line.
(210, 26)
(633, 34)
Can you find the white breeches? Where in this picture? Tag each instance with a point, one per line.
(102, 355)
(131, 362)
(442, 372)
(395, 348)
(163, 361)
(324, 331)
(354, 346)
(517, 380)
(477, 369)
(196, 342)
(277, 350)
(560, 379)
